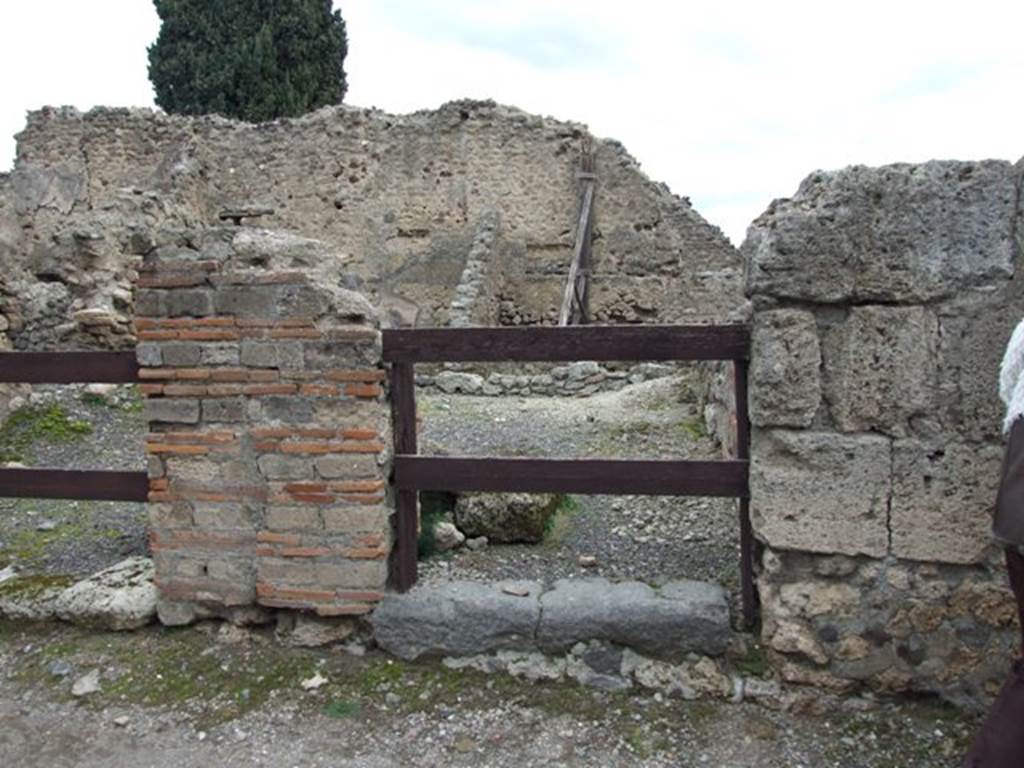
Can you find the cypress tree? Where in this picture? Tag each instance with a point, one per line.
(253, 60)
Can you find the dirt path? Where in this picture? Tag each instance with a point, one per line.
(173, 699)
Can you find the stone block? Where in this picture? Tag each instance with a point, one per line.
(347, 466)
(235, 570)
(189, 303)
(120, 597)
(306, 301)
(943, 496)
(451, 382)
(248, 301)
(881, 369)
(785, 386)
(283, 408)
(975, 327)
(684, 617)
(277, 249)
(178, 410)
(352, 574)
(175, 515)
(292, 518)
(181, 354)
(220, 354)
(57, 186)
(820, 491)
(309, 631)
(286, 571)
(148, 354)
(349, 413)
(272, 354)
(221, 515)
(210, 471)
(277, 467)
(506, 518)
(223, 409)
(457, 619)
(150, 303)
(355, 519)
(360, 353)
(898, 233)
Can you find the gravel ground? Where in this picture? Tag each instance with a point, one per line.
(199, 697)
(78, 538)
(649, 538)
(652, 539)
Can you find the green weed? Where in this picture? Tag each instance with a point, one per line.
(43, 423)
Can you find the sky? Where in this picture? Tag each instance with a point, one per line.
(729, 103)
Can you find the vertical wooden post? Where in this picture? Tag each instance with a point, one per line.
(749, 598)
(403, 409)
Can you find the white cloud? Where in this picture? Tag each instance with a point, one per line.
(730, 103)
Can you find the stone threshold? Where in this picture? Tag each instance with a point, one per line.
(464, 619)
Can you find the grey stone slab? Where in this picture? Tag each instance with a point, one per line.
(457, 619)
(881, 369)
(223, 409)
(220, 354)
(148, 354)
(898, 233)
(277, 467)
(179, 410)
(272, 354)
(688, 618)
(785, 385)
(181, 354)
(974, 330)
(820, 491)
(943, 495)
(120, 597)
(191, 303)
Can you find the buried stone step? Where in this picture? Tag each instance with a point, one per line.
(467, 618)
(680, 618)
(459, 618)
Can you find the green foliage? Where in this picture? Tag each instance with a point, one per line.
(560, 524)
(340, 708)
(754, 663)
(253, 60)
(435, 506)
(26, 425)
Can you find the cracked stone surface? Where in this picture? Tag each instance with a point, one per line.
(467, 618)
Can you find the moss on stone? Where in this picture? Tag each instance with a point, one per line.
(50, 423)
(33, 585)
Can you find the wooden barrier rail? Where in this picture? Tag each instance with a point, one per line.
(413, 473)
(71, 368)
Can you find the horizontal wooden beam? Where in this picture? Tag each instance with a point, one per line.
(583, 476)
(74, 484)
(549, 344)
(68, 368)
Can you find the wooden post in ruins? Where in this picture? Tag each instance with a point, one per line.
(575, 300)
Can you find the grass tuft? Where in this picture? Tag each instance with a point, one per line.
(26, 425)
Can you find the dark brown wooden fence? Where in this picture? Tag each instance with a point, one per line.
(413, 473)
(71, 368)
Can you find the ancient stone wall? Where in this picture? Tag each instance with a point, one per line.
(269, 434)
(883, 299)
(462, 214)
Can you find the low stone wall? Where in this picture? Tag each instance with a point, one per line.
(580, 379)
(883, 299)
(269, 431)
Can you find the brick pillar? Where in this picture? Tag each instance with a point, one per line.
(268, 429)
